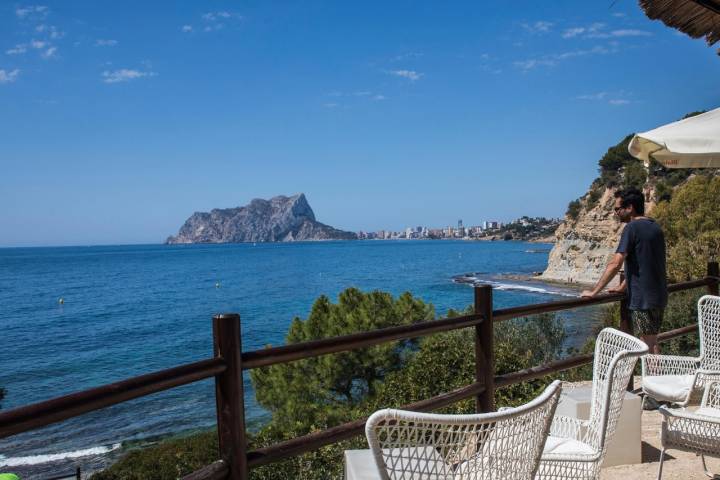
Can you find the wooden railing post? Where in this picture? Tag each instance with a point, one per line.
(626, 323)
(484, 349)
(713, 271)
(229, 395)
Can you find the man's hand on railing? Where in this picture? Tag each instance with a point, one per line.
(619, 289)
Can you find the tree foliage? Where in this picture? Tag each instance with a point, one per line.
(309, 397)
(691, 222)
(324, 388)
(573, 209)
(168, 460)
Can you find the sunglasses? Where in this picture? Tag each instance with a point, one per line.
(617, 209)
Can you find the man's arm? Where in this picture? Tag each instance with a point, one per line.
(620, 288)
(611, 270)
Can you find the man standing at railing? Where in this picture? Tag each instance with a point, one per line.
(642, 249)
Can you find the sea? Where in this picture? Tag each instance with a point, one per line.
(73, 318)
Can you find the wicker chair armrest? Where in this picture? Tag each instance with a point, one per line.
(567, 427)
(561, 459)
(675, 416)
(572, 385)
(653, 365)
(711, 396)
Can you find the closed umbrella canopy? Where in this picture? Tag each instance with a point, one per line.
(690, 143)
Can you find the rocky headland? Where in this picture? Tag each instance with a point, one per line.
(584, 244)
(280, 219)
(589, 234)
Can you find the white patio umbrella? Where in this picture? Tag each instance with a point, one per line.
(690, 143)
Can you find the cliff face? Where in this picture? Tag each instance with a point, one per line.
(584, 245)
(588, 236)
(279, 219)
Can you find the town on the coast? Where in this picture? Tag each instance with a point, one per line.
(524, 228)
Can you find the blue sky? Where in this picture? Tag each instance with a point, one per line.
(120, 119)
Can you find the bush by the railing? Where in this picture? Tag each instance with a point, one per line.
(430, 366)
(323, 389)
(691, 222)
(169, 460)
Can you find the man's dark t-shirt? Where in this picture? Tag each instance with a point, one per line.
(644, 243)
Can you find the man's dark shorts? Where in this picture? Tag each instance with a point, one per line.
(647, 322)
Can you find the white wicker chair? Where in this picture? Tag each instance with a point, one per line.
(498, 445)
(695, 432)
(678, 379)
(576, 448)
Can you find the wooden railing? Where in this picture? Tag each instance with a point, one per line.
(229, 361)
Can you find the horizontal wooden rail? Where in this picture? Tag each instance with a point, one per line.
(215, 471)
(536, 308)
(542, 370)
(314, 348)
(313, 441)
(689, 285)
(670, 334)
(61, 408)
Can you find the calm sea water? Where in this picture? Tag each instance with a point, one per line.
(130, 310)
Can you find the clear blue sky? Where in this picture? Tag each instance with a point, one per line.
(120, 119)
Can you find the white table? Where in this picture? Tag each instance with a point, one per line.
(626, 445)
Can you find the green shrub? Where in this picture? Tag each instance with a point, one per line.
(691, 222)
(573, 209)
(166, 461)
(634, 175)
(593, 198)
(613, 162)
(663, 192)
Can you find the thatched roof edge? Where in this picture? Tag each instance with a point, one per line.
(696, 18)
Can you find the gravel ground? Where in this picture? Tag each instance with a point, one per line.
(677, 466)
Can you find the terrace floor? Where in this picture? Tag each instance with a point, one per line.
(678, 465)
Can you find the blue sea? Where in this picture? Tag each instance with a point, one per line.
(130, 310)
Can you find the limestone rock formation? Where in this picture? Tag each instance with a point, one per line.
(280, 219)
(584, 245)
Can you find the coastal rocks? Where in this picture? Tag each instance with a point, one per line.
(280, 219)
(584, 245)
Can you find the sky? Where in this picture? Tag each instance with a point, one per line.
(118, 120)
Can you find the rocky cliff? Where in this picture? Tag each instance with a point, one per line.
(280, 219)
(588, 236)
(584, 243)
